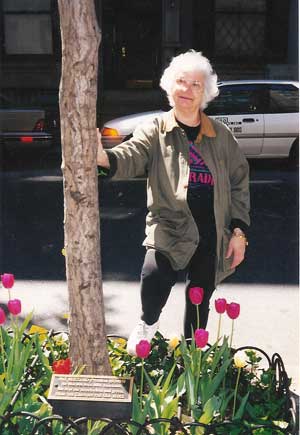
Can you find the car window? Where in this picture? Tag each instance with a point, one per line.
(283, 99)
(236, 99)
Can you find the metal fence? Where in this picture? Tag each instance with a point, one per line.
(58, 425)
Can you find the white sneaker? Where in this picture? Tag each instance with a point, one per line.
(142, 331)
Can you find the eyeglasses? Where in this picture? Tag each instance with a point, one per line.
(196, 85)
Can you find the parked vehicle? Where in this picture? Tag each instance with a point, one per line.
(262, 114)
(26, 126)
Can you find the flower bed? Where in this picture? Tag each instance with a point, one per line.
(181, 387)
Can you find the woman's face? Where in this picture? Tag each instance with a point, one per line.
(187, 90)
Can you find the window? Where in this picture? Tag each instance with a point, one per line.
(4, 103)
(237, 99)
(240, 27)
(27, 27)
(283, 99)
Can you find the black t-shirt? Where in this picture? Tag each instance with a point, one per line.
(200, 194)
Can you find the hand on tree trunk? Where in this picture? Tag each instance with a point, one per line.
(102, 159)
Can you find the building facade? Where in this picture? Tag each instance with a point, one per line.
(242, 39)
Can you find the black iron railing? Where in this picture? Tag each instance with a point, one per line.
(11, 423)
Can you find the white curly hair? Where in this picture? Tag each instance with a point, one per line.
(191, 61)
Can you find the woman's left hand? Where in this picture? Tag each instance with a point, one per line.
(236, 248)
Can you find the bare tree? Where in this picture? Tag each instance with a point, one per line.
(77, 97)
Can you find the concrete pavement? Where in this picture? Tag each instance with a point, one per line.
(269, 315)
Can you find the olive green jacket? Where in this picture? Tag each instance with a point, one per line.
(160, 149)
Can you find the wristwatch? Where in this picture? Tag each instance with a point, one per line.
(237, 232)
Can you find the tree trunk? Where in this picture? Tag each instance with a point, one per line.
(77, 97)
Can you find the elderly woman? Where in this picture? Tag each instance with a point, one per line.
(197, 194)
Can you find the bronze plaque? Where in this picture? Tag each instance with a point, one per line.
(91, 396)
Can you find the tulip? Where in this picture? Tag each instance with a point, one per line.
(62, 366)
(14, 306)
(240, 359)
(2, 316)
(233, 310)
(220, 305)
(196, 295)
(8, 280)
(143, 349)
(173, 342)
(201, 337)
(3, 355)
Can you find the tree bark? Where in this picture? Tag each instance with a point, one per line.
(77, 98)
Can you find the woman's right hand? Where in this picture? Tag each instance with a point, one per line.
(102, 159)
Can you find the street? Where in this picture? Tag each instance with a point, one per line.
(32, 222)
(266, 284)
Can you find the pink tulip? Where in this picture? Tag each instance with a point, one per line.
(201, 337)
(14, 306)
(233, 310)
(143, 349)
(2, 316)
(196, 295)
(8, 280)
(220, 305)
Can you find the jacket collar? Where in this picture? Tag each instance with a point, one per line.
(206, 127)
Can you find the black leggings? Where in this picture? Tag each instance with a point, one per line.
(158, 277)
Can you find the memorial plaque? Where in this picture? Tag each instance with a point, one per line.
(91, 396)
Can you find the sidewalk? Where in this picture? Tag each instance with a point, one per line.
(269, 316)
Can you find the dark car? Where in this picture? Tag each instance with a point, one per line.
(28, 126)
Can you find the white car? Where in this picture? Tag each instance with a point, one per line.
(262, 114)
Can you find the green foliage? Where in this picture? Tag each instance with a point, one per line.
(160, 360)
(204, 381)
(160, 402)
(15, 355)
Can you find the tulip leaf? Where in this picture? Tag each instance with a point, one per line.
(226, 398)
(239, 414)
(180, 388)
(190, 387)
(138, 414)
(209, 386)
(25, 323)
(210, 408)
(168, 380)
(218, 354)
(170, 409)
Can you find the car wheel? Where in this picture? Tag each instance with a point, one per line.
(294, 155)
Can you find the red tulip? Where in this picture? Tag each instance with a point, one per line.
(14, 306)
(233, 310)
(2, 316)
(62, 367)
(220, 305)
(201, 337)
(8, 280)
(143, 349)
(196, 295)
